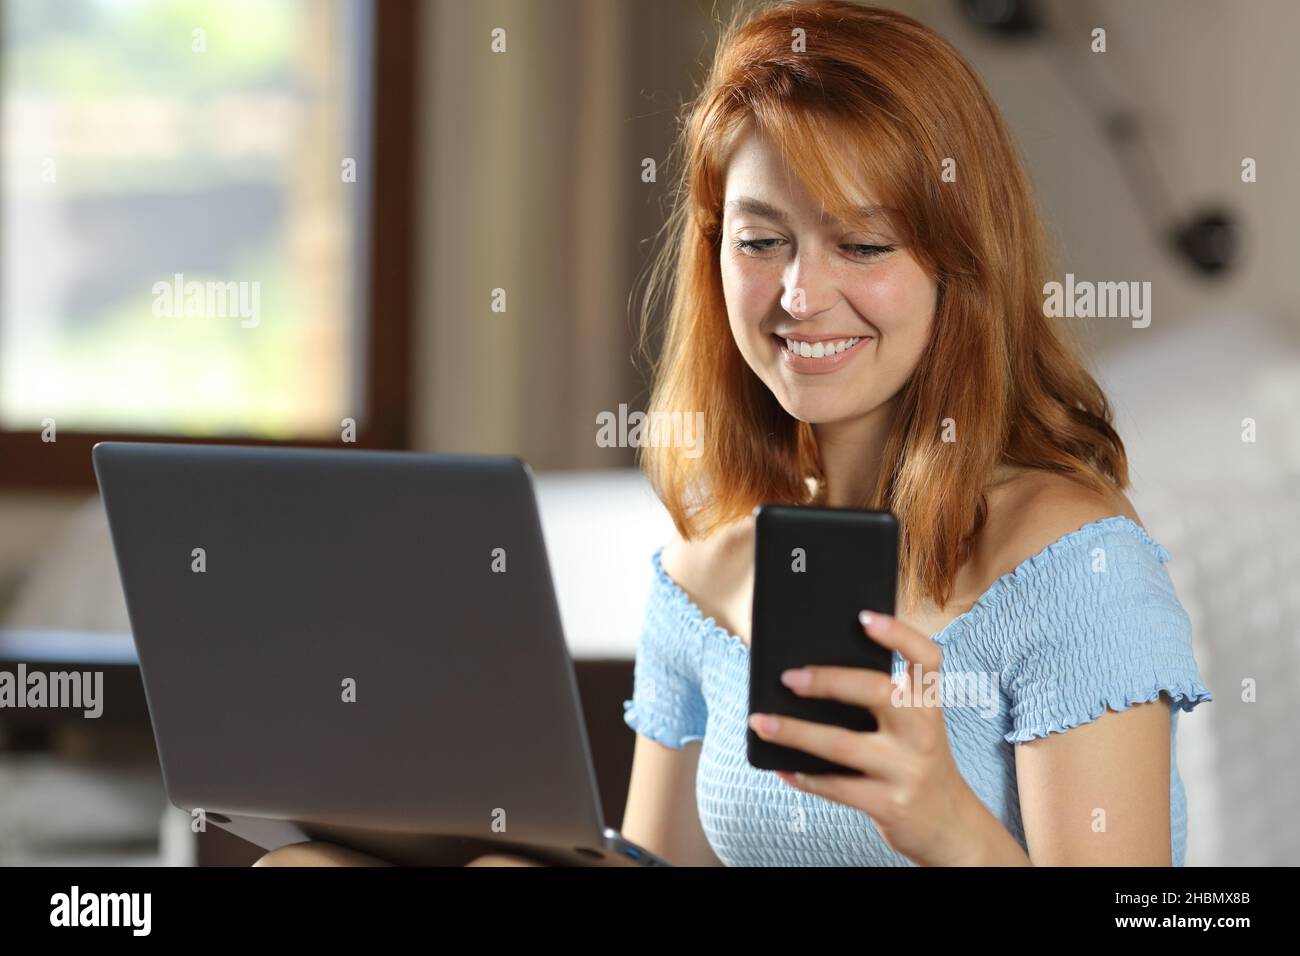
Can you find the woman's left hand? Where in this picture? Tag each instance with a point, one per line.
(912, 789)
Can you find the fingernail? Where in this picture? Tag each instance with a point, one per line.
(797, 677)
(874, 619)
(764, 723)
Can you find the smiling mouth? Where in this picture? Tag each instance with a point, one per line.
(822, 349)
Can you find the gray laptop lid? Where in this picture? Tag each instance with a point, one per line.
(417, 584)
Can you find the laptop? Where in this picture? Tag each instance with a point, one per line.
(361, 647)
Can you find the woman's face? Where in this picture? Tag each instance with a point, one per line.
(854, 303)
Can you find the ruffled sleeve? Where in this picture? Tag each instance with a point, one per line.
(667, 702)
(1103, 629)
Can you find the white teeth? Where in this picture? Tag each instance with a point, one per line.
(820, 349)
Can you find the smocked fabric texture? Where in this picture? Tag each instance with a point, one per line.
(1090, 622)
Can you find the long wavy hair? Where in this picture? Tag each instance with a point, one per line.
(844, 90)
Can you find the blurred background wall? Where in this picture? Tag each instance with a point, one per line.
(530, 167)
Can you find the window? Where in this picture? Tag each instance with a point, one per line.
(188, 220)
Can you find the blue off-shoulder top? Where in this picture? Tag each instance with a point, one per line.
(1090, 622)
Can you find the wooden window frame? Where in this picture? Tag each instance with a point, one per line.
(27, 462)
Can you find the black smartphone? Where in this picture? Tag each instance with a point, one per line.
(814, 570)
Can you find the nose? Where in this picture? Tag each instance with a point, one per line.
(809, 290)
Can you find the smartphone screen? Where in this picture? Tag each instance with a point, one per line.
(814, 570)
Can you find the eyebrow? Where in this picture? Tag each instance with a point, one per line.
(759, 208)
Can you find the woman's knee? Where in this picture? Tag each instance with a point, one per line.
(502, 859)
(318, 853)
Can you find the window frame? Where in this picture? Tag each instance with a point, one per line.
(27, 462)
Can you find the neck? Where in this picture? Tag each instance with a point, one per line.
(851, 455)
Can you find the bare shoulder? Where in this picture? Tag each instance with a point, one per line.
(1037, 508)
(711, 569)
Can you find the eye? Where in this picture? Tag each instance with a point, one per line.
(756, 247)
(752, 247)
(868, 251)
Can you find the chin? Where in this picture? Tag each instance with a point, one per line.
(818, 411)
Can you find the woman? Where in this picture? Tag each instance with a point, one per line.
(862, 189)
(856, 306)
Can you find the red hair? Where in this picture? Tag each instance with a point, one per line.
(874, 92)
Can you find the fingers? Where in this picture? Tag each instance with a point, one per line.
(922, 674)
(888, 699)
(862, 751)
(858, 686)
(890, 632)
(861, 687)
(852, 685)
